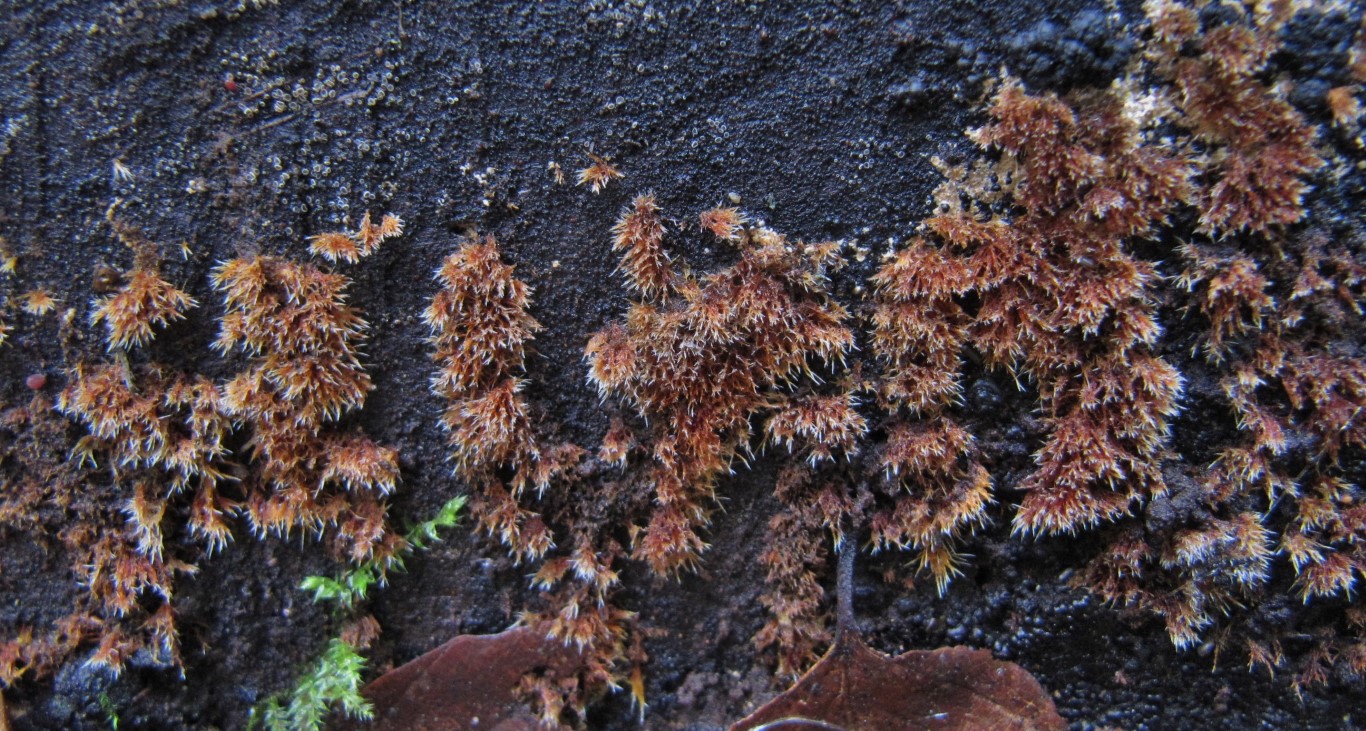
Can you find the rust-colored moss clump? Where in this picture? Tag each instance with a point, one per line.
(48, 500)
(1065, 304)
(1038, 275)
(940, 488)
(1282, 299)
(161, 436)
(1282, 296)
(1210, 174)
(820, 507)
(699, 357)
(156, 448)
(598, 174)
(143, 302)
(352, 246)
(1260, 150)
(303, 375)
(703, 359)
(170, 424)
(481, 329)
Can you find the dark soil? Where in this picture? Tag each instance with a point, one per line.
(251, 128)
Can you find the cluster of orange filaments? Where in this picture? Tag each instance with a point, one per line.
(701, 356)
(304, 374)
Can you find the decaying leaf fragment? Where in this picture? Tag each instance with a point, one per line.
(468, 683)
(855, 687)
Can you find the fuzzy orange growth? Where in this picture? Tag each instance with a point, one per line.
(1265, 148)
(356, 463)
(114, 650)
(480, 329)
(705, 361)
(597, 175)
(1289, 395)
(1084, 160)
(1079, 207)
(353, 246)
(40, 655)
(1298, 397)
(305, 373)
(1288, 392)
(1330, 392)
(491, 429)
(370, 235)
(170, 423)
(116, 414)
(16, 657)
(1188, 577)
(163, 437)
(294, 320)
(335, 246)
(580, 613)
(723, 223)
(918, 327)
(617, 443)
(794, 556)
(1103, 451)
(1324, 540)
(639, 236)
(39, 302)
(479, 321)
(947, 491)
(121, 575)
(1343, 104)
(1288, 388)
(1234, 296)
(145, 300)
(501, 515)
(825, 423)
(1062, 301)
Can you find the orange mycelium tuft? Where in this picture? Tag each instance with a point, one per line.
(599, 173)
(795, 555)
(639, 237)
(480, 329)
(1065, 304)
(142, 300)
(1263, 147)
(1282, 299)
(335, 246)
(702, 359)
(352, 246)
(701, 356)
(160, 438)
(145, 300)
(723, 223)
(919, 329)
(304, 373)
(1040, 277)
(39, 302)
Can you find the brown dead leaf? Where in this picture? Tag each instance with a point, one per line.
(468, 683)
(854, 688)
